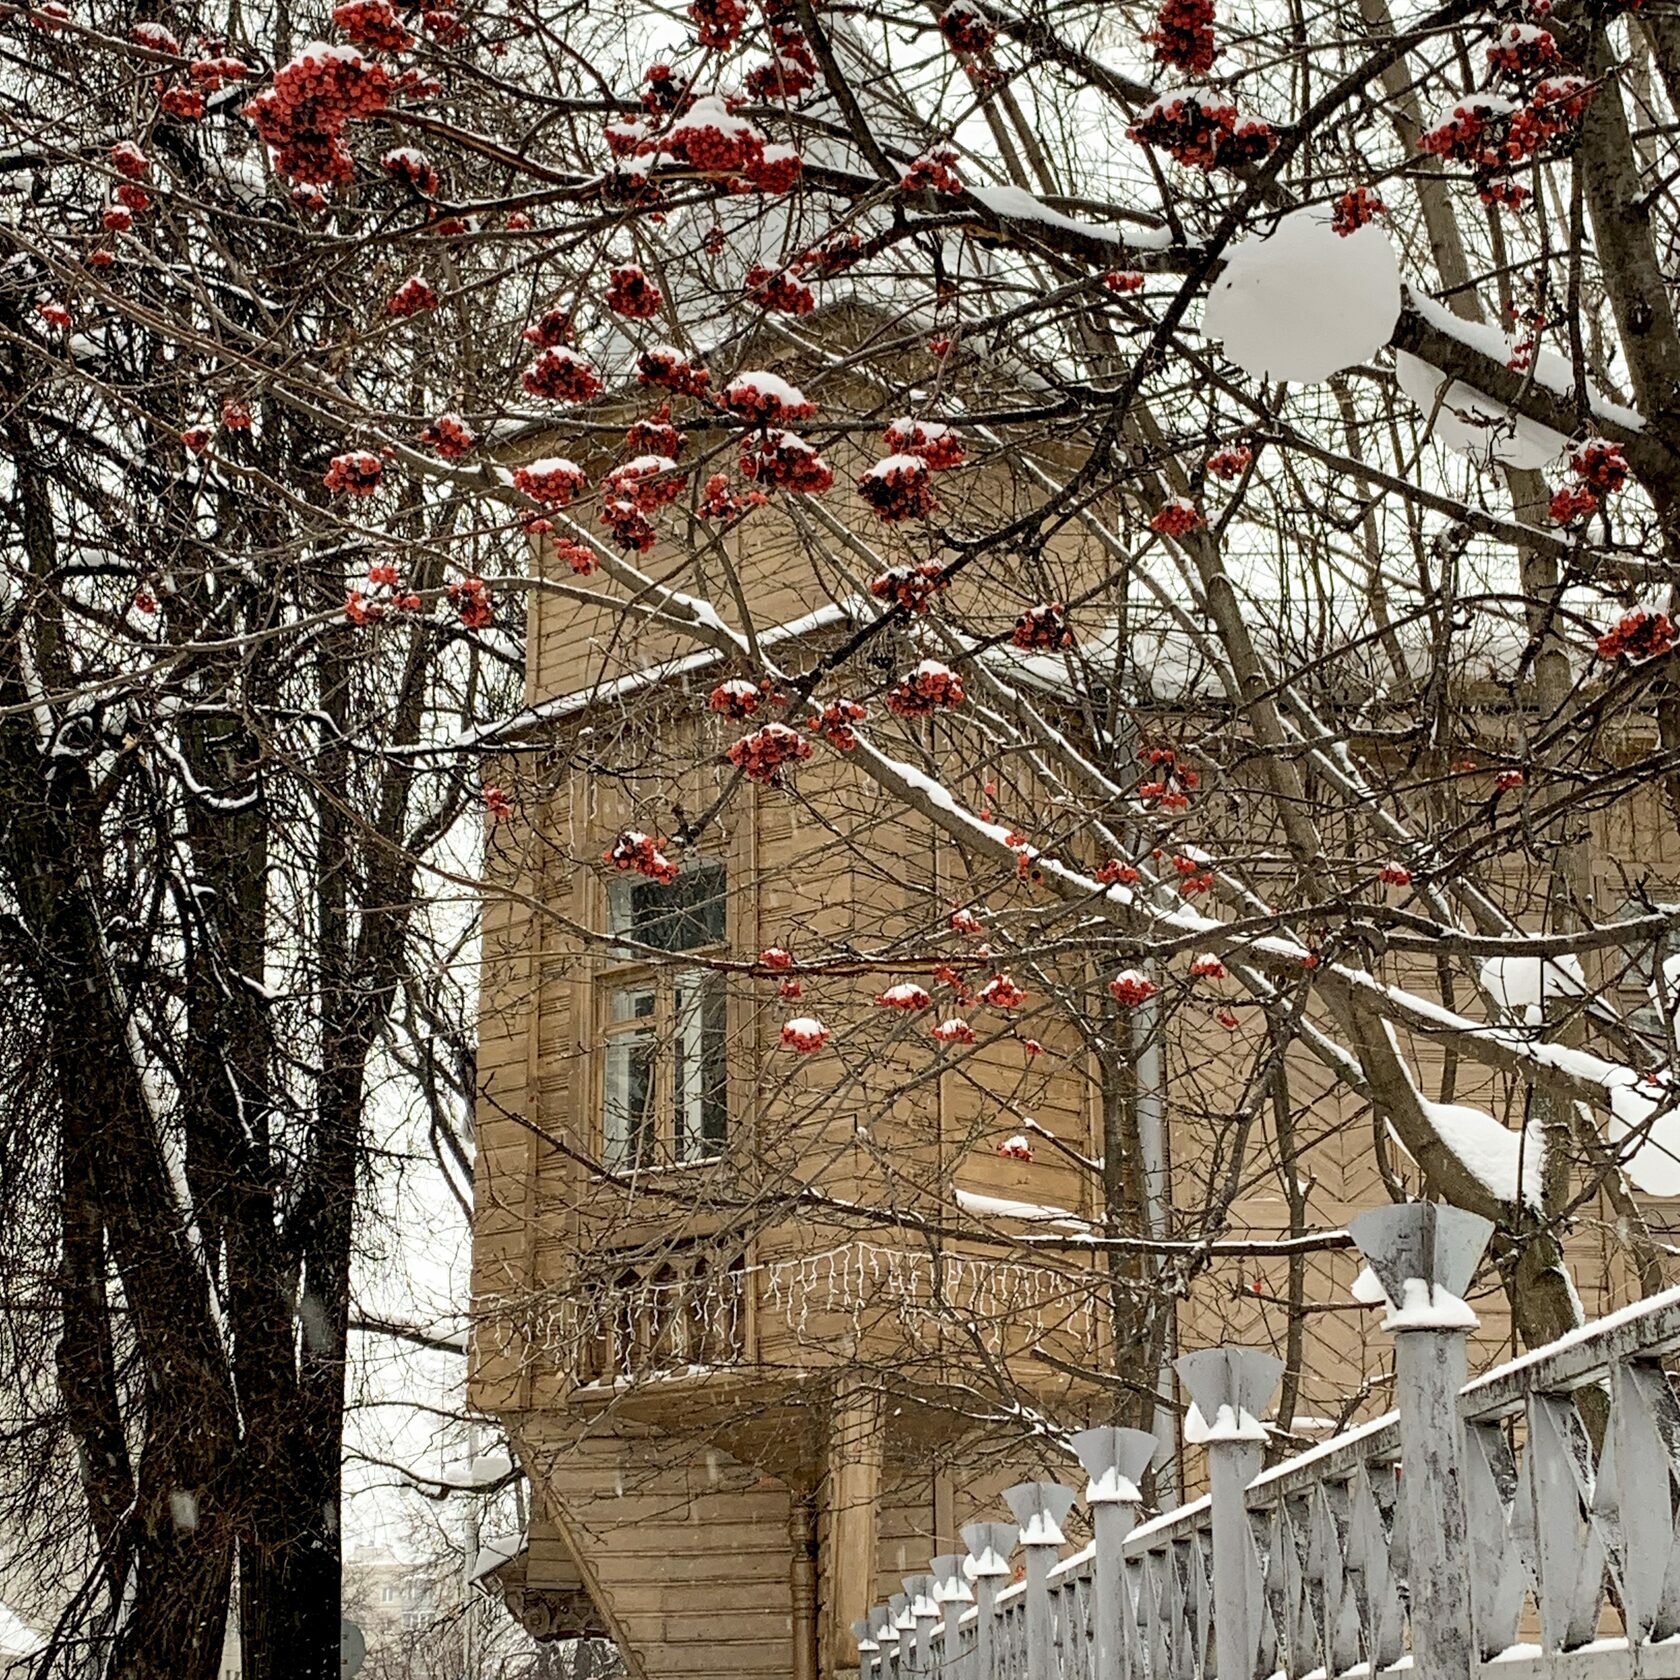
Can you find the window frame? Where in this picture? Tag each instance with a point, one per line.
(665, 1144)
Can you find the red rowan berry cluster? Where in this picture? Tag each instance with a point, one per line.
(1112, 871)
(789, 71)
(931, 440)
(550, 330)
(833, 256)
(805, 1033)
(1169, 784)
(1231, 462)
(1206, 966)
(553, 481)
(779, 291)
(671, 370)
(1599, 464)
(924, 690)
(561, 375)
(736, 699)
(966, 28)
(444, 27)
(1001, 992)
(413, 168)
(898, 488)
(655, 435)
(906, 995)
(630, 292)
(1354, 209)
(781, 460)
(356, 473)
(183, 103)
(313, 99)
(497, 805)
(55, 314)
(471, 601)
(1015, 1149)
(663, 94)
(1183, 36)
(767, 399)
(935, 170)
(155, 36)
(762, 755)
(212, 73)
(1131, 987)
(909, 586)
(719, 501)
(776, 169)
(413, 297)
(373, 24)
(834, 723)
(641, 852)
(1123, 280)
(715, 140)
(1523, 52)
(236, 414)
(1640, 634)
(1043, 626)
(1571, 502)
(1395, 875)
(953, 1031)
(1175, 517)
(1201, 129)
(128, 160)
(449, 436)
(718, 22)
(580, 558)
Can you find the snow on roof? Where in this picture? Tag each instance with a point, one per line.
(495, 1552)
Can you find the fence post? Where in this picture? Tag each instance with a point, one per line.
(990, 1545)
(886, 1641)
(904, 1628)
(924, 1612)
(866, 1649)
(951, 1593)
(1115, 1460)
(1040, 1508)
(1424, 1255)
(1229, 1388)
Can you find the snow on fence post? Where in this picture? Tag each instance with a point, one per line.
(1423, 1256)
(862, 1632)
(1115, 1460)
(951, 1593)
(904, 1630)
(990, 1545)
(919, 1590)
(1229, 1388)
(881, 1631)
(1040, 1508)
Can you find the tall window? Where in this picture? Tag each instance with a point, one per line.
(665, 1095)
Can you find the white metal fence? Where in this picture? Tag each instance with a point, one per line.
(1519, 1526)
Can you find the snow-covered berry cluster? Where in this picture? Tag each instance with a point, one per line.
(954, 1030)
(1043, 626)
(1206, 966)
(383, 591)
(1183, 36)
(630, 292)
(966, 28)
(1395, 875)
(898, 488)
(314, 97)
(668, 368)
(1202, 129)
(471, 601)
(497, 806)
(906, 995)
(654, 434)
(413, 297)
(927, 689)
(761, 756)
(782, 460)
(373, 24)
(1230, 462)
(185, 104)
(412, 167)
(639, 852)
(789, 72)
(736, 698)
(550, 329)
(576, 555)
(449, 436)
(833, 255)
(1132, 987)
(630, 493)
(553, 481)
(1176, 516)
(1015, 1148)
(834, 723)
(931, 440)
(1120, 281)
(718, 23)
(805, 1033)
(1643, 633)
(561, 375)
(911, 587)
(1600, 469)
(1523, 52)
(779, 291)
(1001, 992)
(767, 399)
(357, 472)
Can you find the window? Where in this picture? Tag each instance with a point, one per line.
(664, 1092)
